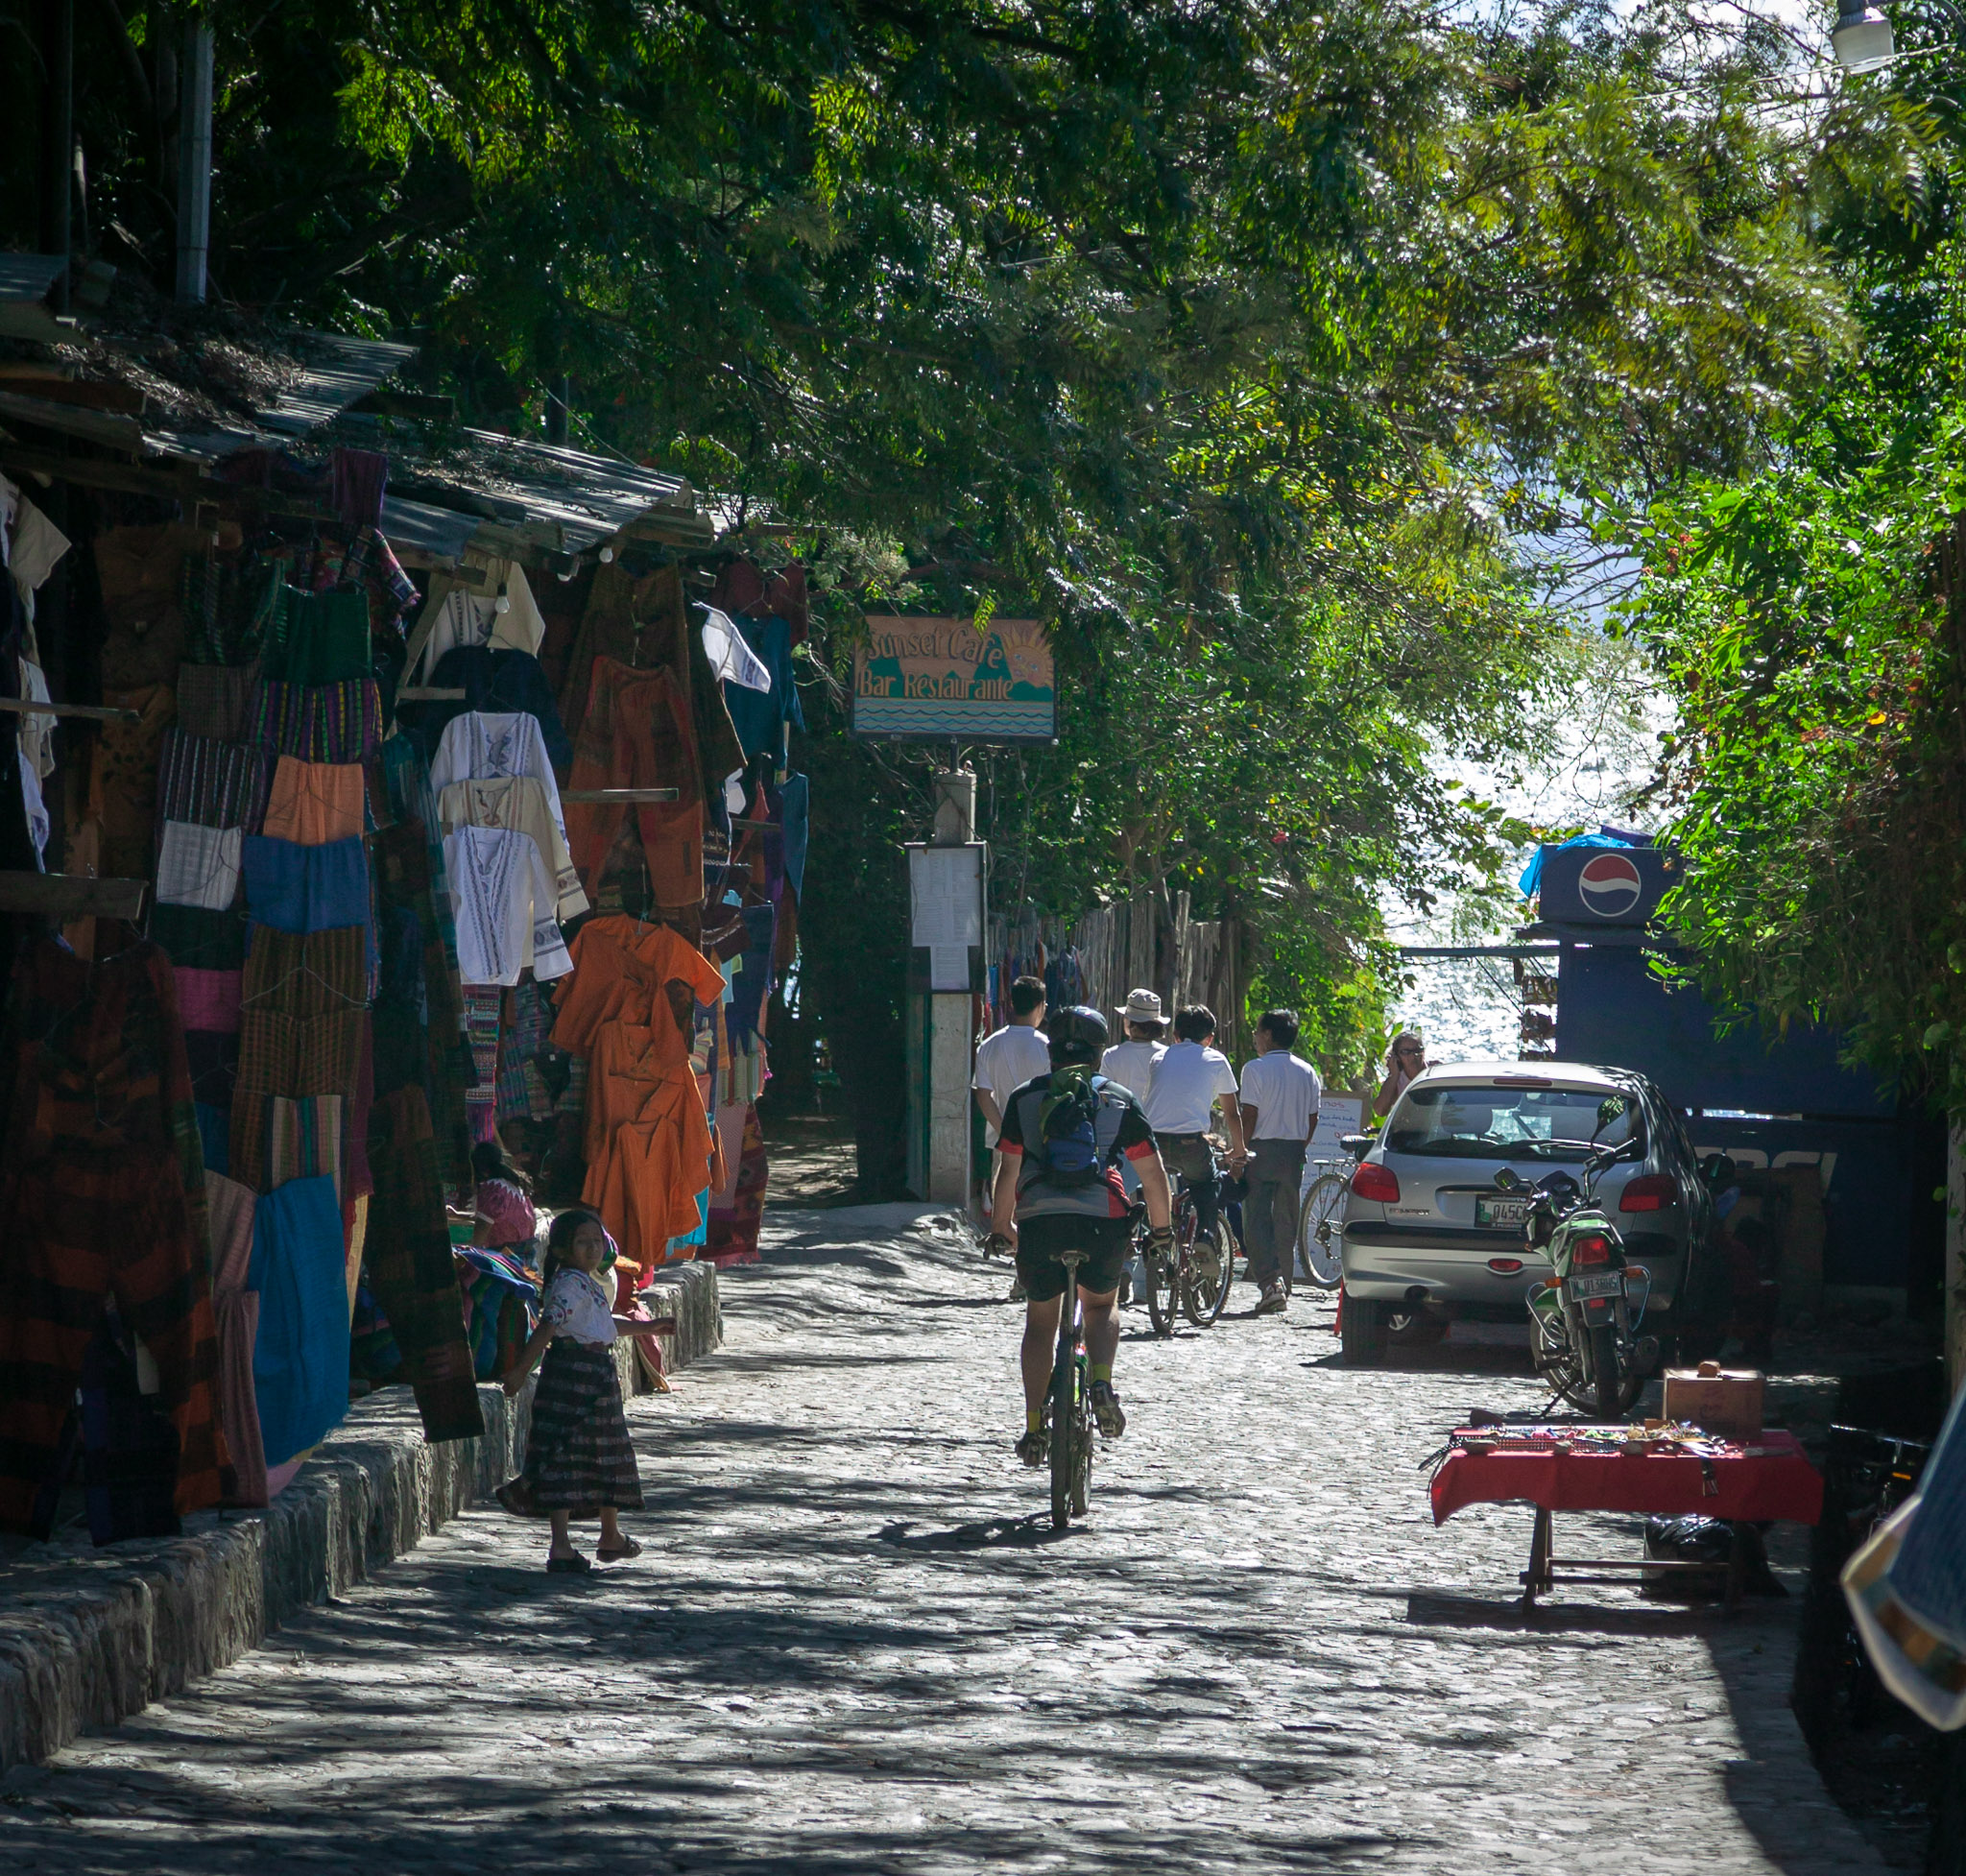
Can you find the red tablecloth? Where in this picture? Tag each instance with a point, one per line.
(1776, 1483)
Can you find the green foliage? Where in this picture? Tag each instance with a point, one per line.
(1244, 343)
(1812, 621)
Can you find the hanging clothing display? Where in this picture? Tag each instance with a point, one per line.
(235, 1304)
(482, 1004)
(478, 747)
(647, 1140)
(420, 1019)
(491, 606)
(211, 783)
(493, 682)
(319, 723)
(518, 803)
(315, 638)
(300, 889)
(412, 1270)
(315, 804)
(198, 866)
(101, 1177)
(301, 1353)
(636, 732)
(503, 902)
(765, 718)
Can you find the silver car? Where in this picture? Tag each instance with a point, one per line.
(1429, 1239)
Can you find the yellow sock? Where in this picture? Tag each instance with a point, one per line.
(1102, 1371)
(1034, 1418)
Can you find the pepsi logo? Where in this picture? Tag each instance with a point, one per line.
(1610, 885)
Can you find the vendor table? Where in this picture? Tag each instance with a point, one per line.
(1759, 1484)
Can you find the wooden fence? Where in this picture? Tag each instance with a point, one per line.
(1148, 940)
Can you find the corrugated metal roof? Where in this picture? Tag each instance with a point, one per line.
(442, 533)
(345, 370)
(29, 276)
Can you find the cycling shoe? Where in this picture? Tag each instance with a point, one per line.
(1106, 1410)
(1034, 1448)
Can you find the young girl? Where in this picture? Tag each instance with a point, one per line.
(578, 1459)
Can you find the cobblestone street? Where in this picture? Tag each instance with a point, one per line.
(853, 1644)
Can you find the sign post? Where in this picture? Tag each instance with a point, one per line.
(950, 681)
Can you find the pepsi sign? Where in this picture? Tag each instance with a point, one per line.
(1604, 885)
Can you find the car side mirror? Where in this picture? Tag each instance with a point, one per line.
(1509, 1180)
(1719, 1171)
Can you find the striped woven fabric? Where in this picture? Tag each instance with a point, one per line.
(211, 783)
(304, 1139)
(215, 701)
(319, 723)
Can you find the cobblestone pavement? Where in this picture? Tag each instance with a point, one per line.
(852, 1646)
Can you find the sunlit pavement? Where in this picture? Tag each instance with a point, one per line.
(853, 1643)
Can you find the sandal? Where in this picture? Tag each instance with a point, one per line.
(573, 1566)
(629, 1548)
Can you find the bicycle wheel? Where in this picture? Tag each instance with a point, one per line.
(1320, 1222)
(1209, 1274)
(1064, 1437)
(1082, 1446)
(1163, 1272)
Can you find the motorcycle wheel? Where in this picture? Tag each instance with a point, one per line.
(1607, 1389)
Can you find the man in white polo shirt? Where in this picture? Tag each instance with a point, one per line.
(1017, 1053)
(1280, 1093)
(1189, 1080)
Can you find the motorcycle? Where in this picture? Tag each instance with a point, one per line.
(1585, 1321)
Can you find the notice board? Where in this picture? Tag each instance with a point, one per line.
(934, 679)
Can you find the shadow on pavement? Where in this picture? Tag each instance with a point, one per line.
(991, 1534)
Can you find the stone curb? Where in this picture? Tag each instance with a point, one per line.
(89, 1637)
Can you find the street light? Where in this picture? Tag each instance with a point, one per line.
(1862, 39)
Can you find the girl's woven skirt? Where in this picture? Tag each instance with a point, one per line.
(578, 1455)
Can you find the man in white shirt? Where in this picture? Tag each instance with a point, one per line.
(1131, 1063)
(1017, 1053)
(1189, 1080)
(1281, 1094)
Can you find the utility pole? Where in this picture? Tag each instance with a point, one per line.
(194, 162)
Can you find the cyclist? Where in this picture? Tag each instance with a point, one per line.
(1057, 1187)
(1189, 1080)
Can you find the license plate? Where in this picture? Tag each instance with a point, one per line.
(1610, 1285)
(1499, 1211)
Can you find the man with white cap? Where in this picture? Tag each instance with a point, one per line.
(1131, 1063)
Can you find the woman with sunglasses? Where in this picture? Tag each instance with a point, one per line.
(1405, 1062)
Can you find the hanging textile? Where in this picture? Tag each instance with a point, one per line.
(734, 1227)
(319, 723)
(501, 1308)
(316, 638)
(482, 1006)
(519, 803)
(647, 1140)
(102, 1178)
(128, 1446)
(212, 783)
(300, 1352)
(495, 683)
(639, 621)
(637, 733)
(198, 866)
(315, 804)
(296, 889)
(763, 719)
(412, 1270)
(420, 1019)
(235, 1304)
(503, 902)
(492, 608)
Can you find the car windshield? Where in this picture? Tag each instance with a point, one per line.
(1484, 1121)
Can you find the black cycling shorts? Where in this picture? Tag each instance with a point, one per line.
(1107, 1245)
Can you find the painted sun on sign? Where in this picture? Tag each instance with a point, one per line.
(933, 679)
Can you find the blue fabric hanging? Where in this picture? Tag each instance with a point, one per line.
(301, 1354)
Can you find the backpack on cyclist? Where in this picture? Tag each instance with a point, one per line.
(1068, 1136)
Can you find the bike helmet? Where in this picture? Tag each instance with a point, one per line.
(1077, 1036)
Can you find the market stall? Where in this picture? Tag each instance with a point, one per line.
(302, 858)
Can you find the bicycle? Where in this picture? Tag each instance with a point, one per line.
(1321, 1219)
(1071, 1437)
(1197, 1281)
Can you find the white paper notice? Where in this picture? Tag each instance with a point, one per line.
(947, 894)
(948, 966)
